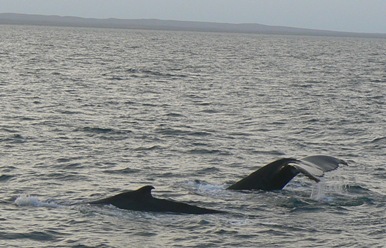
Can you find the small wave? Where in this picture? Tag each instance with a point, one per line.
(212, 170)
(174, 115)
(132, 70)
(15, 139)
(379, 140)
(148, 148)
(295, 204)
(4, 178)
(144, 73)
(209, 151)
(97, 130)
(118, 78)
(33, 201)
(7, 130)
(106, 133)
(181, 132)
(35, 235)
(122, 171)
(357, 189)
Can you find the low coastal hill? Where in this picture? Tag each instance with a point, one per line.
(155, 24)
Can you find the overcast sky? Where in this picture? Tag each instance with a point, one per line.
(340, 15)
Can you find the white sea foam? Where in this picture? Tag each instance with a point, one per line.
(33, 201)
(204, 188)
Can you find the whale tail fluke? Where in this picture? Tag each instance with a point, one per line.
(276, 175)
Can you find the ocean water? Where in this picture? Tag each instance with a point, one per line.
(88, 113)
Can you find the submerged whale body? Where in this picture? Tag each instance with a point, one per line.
(142, 200)
(276, 175)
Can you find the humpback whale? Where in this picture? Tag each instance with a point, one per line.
(273, 176)
(142, 200)
(276, 175)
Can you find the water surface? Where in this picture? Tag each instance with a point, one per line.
(88, 113)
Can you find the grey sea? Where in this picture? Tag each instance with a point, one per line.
(89, 113)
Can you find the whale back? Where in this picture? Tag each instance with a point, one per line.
(142, 200)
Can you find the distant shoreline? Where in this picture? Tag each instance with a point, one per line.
(155, 24)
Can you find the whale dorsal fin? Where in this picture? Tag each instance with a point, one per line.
(145, 191)
(141, 193)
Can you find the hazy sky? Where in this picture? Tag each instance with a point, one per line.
(340, 15)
